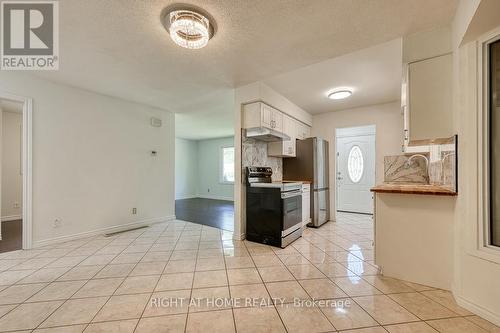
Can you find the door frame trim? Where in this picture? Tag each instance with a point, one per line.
(27, 137)
(353, 131)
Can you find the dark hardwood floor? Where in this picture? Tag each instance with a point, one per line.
(12, 236)
(214, 213)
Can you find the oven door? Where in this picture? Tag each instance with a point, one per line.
(292, 211)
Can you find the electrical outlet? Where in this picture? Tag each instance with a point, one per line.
(134, 211)
(16, 204)
(57, 223)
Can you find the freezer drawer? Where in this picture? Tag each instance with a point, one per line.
(321, 207)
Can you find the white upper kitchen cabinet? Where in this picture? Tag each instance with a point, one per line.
(265, 114)
(285, 148)
(428, 104)
(259, 114)
(302, 130)
(277, 120)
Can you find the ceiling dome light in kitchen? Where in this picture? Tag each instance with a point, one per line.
(188, 28)
(340, 94)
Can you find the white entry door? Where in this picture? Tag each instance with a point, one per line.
(355, 169)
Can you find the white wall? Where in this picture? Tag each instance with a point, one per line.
(186, 168)
(477, 273)
(198, 169)
(11, 181)
(92, 161)
(209, 158)
(388, 140)
(1, 129)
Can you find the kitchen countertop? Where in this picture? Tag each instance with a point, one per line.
(283, 185)
(414, 189)
(298, 181)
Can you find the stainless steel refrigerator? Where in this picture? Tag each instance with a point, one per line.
(311, 164)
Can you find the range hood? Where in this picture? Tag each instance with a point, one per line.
(265, 134)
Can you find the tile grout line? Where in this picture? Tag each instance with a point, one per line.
(40, 291)
(267, 290)
(317, 242)
(124, 278)
(68, 299)
(192, 285)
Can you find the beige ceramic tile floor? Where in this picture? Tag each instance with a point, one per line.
(166, 278)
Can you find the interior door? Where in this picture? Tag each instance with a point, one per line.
(355, 173)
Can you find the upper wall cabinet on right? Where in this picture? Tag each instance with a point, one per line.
(430, 99)
(427, 86)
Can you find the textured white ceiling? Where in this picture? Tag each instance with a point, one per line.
(120, 48)
(374, 74)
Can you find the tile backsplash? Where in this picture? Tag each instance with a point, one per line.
(437, 168)
(398, 170)
(254, 153)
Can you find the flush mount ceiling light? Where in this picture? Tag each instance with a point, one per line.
(340, 93)
(188, 28)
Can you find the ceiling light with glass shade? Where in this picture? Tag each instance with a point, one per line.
(188, 28)
(339, 93)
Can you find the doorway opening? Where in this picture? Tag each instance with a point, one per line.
(15, 173)
(355, 169)
(204, 169)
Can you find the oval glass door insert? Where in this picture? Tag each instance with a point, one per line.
(355, 164)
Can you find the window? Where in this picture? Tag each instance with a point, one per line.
(227, 165)
(494, 141)
(355, 164)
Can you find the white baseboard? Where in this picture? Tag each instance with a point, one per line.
(11, 218)
(478, 310)
(61, 239)
(191, 196)
(215, 197)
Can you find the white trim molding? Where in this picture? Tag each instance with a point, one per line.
(479, 244)
(477, 309)
(189, 196)
(27, 137)
(221, 164)
(11, 218)
(101, 231)
(215, 197)
(343, 132)
(240, 237)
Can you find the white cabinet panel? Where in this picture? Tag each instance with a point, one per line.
(429, 106)
(266, 114)
(303, 131)
(285, 148)
(306, 204)
(277, 120)
(259, 114)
